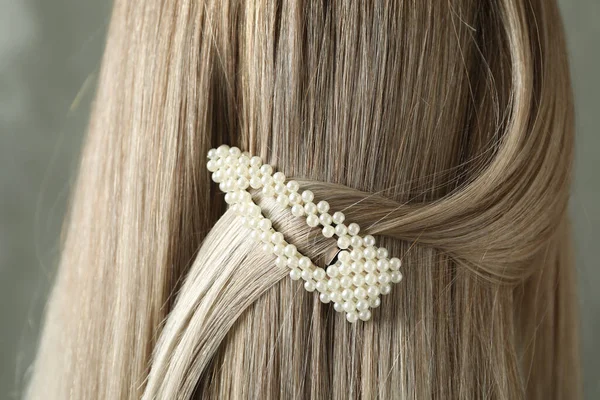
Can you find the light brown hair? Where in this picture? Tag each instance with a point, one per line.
(446, 128)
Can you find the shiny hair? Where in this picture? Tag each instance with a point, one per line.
(444, 128)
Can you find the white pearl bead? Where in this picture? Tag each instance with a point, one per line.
(244, 160)
(349, 306)
(251, 222)
(356, 254)
(383, 265)
(324, 297)
(396, 276)
(267, 248)
(321, 286)
(293, 186)
(357, 267)
(295, 198)
(290, 250)
(212, 166)
(312, 220)
(280, 189)
(265, 237)
(264, 224)
(310, 208)
(325, 219)
(370, 253)
(309, 286)
(328, 231)
(338, 217)
(277, 237)
(307, 196)
(217, 176)
(283, 200)
(279, 177)
(369, 240)
(266, 169)
(297, 210)
(305, 263)
(234, 184)
(230, 161)
(333, 283)
(347, 294)
(306, 275)
(364, 315)
(323, 206)
(231, 185)
(374, 303)
(268, 191)
(223, 150)
(281, 261)
(360, 293)
(385, 289)
(255, 210)
(242, 171)
(338, 307)
(244, 197)
(358, 280)
(332, 271)
(352, 317)
(395, 264)
(384, 278)
(382, 252)
(249, 211)
(242, 183)
(344, 256)
(278, 249)
(229, 198)
(341, 230)
(362, 305)
(267, 180)
(356, 241)
(344, 269)
(293, 261)
(346, 281)
(353, 229)
(370, 279)
(319, 274)
(212, 154)
(234, 151)
(343, 242)
(336, 297)
(373, 291)
(255, 161)
(255, 182)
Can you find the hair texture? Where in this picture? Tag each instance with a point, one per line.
(443, 127)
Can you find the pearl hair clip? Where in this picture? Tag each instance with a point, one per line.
(362, 271)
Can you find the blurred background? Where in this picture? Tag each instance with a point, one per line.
(50, 53)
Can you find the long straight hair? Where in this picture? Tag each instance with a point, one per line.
(444, 128)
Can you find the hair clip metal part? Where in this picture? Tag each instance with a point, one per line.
(362, 271)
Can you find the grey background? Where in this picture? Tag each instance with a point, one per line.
(49, 58)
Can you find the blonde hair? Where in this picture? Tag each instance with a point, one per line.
(446, 128)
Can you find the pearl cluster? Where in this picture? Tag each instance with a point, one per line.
(362, 271)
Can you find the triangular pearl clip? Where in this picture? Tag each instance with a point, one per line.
(362, 271)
